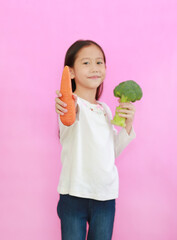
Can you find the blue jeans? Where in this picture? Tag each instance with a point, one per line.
(75, 212)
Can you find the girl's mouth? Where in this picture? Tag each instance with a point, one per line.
(94, 77)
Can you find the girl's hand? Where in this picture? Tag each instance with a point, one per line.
(128, 112)
(60, 105)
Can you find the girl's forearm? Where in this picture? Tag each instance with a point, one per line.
(128, 128)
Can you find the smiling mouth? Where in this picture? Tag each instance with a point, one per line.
(94, 77)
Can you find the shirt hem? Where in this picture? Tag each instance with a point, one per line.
(89, 195)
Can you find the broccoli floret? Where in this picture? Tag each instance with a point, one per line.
(128, 91)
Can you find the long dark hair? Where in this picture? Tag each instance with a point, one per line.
(70, 58)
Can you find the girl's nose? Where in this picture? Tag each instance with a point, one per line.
(94, 67)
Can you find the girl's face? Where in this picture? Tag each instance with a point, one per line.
(89, 69)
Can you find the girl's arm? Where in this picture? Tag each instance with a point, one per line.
(60, 109)
(60, 106)
(128, 112)
(122, 140)
(125, 135)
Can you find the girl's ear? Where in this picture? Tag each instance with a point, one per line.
(71, 73)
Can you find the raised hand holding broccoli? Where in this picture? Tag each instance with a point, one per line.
(128, 91)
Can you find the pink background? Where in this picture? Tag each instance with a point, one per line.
(139, 39)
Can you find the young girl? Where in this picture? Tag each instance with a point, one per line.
(89, 182)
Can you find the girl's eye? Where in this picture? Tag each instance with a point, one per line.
(86, 63)
(99, 62)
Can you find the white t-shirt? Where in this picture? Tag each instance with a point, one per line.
(89, 149)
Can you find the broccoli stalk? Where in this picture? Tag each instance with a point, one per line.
(117, 120)
(128, 91)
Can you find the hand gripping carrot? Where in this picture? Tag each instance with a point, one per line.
(66, 90)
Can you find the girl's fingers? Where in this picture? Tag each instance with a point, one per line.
(125, 111)
(127, 105)
(125, 115)
(59, 112)
(58, 101)
(128, 114)
(58, 92)
(59, 105)
(60, 109)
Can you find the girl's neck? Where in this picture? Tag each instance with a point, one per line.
(88, 95)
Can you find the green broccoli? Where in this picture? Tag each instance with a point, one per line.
(128, 91)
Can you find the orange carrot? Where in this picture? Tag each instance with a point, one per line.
(66, 90)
